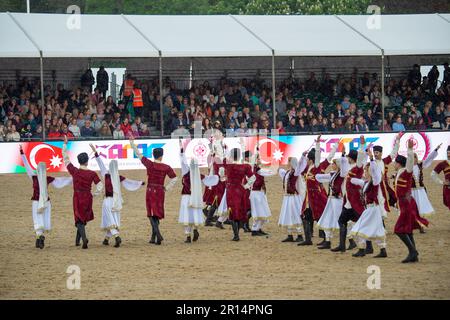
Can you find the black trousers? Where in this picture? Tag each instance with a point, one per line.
(346, 216)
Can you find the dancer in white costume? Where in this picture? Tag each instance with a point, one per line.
(113, 201)
(294, 192)
(419, 192)
(222, 212)
(328, 222)
(191, 204)
(369, 226)
(41, 207)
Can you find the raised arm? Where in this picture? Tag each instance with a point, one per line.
(333, 152)
(429, 160)
(135, 148)
(317, 153)
(99, 160)
(361, 159)
(344, 165)
(395, 148)
(30, 171)
(410, 156)
(358, 182)
(301, 166)
(184, 165)
(435, 173)
(265, 172)
(64, 152)
(282, 172)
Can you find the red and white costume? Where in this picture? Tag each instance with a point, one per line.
(259, 205)
(191, 204)
(419, 192)
(443, 166)
(370, 224)
(113, 201)
(41, 207)
(407, 205)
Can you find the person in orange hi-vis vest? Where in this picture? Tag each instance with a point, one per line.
(138, 103)
(127, 89)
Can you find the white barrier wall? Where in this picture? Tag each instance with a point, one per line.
(274, 150)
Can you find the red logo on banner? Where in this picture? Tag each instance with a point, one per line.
(42, 152)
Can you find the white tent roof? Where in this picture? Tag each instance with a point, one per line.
(111, 36)
(97, 36)
(415, 34)
(14, 42)
(199, 36)
(308, 36)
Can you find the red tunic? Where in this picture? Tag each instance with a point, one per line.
(236, 194)
(335, 185)
(386, 190)
(186, 183)
(444, 166)
(36, 187)
(407, 205)
(353, 191)
(260, 183)
(156, 174)
(82, 196)
(109, 191)
(371, 194)
(316, 196)
(213, 195)
(291, 183)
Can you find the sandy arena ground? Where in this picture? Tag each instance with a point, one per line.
(214, 267)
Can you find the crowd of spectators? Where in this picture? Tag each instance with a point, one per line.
(244, 107)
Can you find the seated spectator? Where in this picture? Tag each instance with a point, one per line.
(398, 126)
(87, 131)
(144, 131)
(38, 133)
(65, 132)
(105, 131)
(361, 125)
(13, 135)
(410, 124)
(446, 124)
(292, 126)
(73, 127)
(53, 133)
(280, 127)
(26, 132)
(118, 133)
(302, 127)
(386, 127)
(96, 124)
(2, 133)
(420, 125)
(126, 128)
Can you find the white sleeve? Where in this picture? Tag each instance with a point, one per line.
(61, 182)
(435, 177)
(101, 165)
(362, 157)
(250, 182)
(265, 172)
(429, 160)
(132, 185)
(184, 165)
(211, 180)
(99, 188)
(358, 182)
(171, 183)
(282, 173)
(300, 166)
(221, 172)
(375, 172)
(65, 155)
(410, 160)
(333, 152)
(317, 155)
(136, 150)
(30, 171)
(322, 178)
(344, 167)
(395, 150)
(416, 171)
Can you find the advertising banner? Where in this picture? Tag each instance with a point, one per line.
(274, 150)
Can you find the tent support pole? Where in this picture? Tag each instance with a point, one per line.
(41, 67)
(274, 124)
(161, 94)
(382, 90)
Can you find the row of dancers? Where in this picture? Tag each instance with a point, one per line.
(235, 189)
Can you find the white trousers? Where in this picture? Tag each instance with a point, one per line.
(41, 220)
(257, 225)
(362, 243)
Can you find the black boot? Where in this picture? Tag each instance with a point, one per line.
(37, 242)
(308, 234)
(246, 227)
(256, 233)
(118, 242)
(228, 221)
(311, 227)
(235, 226)
(159, 237)
(82, 230)
(210, 216)
(352, 245)
(359, 253)
(41, 242)
(77, 238)
(369, 247)
(382, 254)
(342, 238)
(188, 239)
(412, 254)
(196, 235)
(325, 245)
(219, 225)
(411, 237)
(290, 238)
(152, 238)
(106, 242)
(262, 233)
(299, 238)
